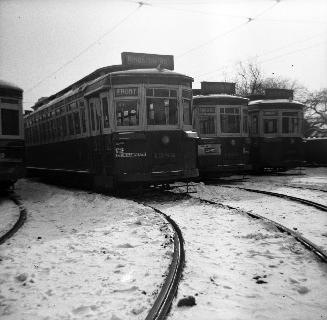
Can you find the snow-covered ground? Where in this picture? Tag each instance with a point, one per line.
(85, 255)
(82, 255)
(9, 214)
(241, 268)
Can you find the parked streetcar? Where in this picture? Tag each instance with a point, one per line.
(122, 124)
(11, 134)
(221, 120)
(276, 123)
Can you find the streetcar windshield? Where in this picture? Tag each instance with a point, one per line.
(270, 125)
(161, 106)
(10, 122)
(126, 113)
(290, 122)
(230, 120)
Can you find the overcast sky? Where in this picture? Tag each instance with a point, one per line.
(45, 45)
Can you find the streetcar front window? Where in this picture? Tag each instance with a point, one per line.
(290, 122)
(10, 122)
(230, 120)
(161, 106)
(207, 124)
(270, 125)
(127, 113)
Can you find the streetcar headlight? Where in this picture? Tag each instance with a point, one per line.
(233, 142)
(165, 139)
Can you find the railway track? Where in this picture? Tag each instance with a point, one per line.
(162, 305)
(320, 253)
(284, 196)
(20, 221)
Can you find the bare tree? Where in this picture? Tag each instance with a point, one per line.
(251, 79)
(316, 112)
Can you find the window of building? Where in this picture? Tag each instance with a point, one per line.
(10, 122)
(270, 125)
(290, 122)
(230, 120)
(207, 124)
(127, 113)
(161, 107)
(105, 111)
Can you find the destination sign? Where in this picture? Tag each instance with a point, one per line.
(146, 60)
(126, 92)
(279, 94)
(217, 87)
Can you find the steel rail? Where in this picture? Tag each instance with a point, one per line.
(322, 254)
(20, 221)
(285, 196)
(162, 304)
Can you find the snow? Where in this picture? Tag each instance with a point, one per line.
(9, 214)
(81, 255)
(85, 255)
(241, 268)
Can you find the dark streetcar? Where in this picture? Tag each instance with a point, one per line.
(276, 123)
(11, 134)
(122, 124)
(221, 119)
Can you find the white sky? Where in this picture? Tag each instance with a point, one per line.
(45, 45)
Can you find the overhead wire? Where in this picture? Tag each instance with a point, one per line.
(249, 19)
(140, 4)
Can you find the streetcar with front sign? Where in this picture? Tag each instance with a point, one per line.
(221, 120)
(12, 166)
(276, 131)
(128, 124)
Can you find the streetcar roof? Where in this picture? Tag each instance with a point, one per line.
(271, 102)
(9, 85)
(219, 98)
(150, 71)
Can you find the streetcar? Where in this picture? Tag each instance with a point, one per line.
(221, 120)
(12, 166)
(276, 123)
(122, 125)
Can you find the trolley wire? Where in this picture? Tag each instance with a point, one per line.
(249, 19)
(140, 4)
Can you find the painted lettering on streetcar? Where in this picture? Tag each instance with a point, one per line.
(164, 155)
(120, 153)
(126, 92)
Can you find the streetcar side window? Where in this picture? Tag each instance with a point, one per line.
(161, 107)
(127, 113)
(92, 116)
(254, 124)
(230, 120)
(77, 124)
(187, 106)
(290, 122)
(10, 122)
(245, 121)
(70, 124)
(105, 112)
(270, 125)
(83, 120)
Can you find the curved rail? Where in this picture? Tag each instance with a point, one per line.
(19, 222)
(285, 196)
(162, 305)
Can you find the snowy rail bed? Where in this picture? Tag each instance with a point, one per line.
(82, 255)
(239, 268)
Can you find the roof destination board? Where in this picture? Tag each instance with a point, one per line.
(145, 60)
